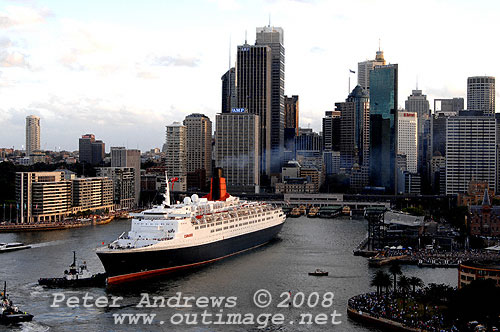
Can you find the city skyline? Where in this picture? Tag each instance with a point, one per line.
(120, 72)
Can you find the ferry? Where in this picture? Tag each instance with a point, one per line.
(198, 231)
(5, 247)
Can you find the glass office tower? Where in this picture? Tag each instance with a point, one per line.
(383, 127)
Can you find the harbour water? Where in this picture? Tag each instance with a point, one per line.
(279, 267)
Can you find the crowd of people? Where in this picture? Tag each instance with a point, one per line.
(440, 257)
(388, 307)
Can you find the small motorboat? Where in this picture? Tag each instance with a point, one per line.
(9, 313)
(318, 273)
(76, 276)
(5, 247)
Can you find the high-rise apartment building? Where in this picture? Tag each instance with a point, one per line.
(383, 126)
(273, 37)
(32, 134)
(481, 94)
(292, 113)
(408, 138)
(331, 131)
(90, 150)
(176, 154)
(354, 129)
(228, 91)
(237, 150)
(470, 152)
(365, 67)
(417, 103)
(121, 157)
(198, 145)
(253, 93)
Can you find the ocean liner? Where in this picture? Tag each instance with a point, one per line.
(197, 231)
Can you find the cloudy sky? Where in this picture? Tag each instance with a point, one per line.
(124, 69)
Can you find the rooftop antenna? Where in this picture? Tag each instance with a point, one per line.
(379, 44)
(245, 36)
(269, 20)
(417, 82)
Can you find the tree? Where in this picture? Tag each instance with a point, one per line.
(395, 270)
(386, 282)
(404, 284)
(416, 282)
(404, 287)
(378, 280)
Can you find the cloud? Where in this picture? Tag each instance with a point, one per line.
(17, 16)
(147, 75)
(317, 49)
(5, 42)
(13, 59)
(175, 61)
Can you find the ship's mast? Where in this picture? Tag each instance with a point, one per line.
(167, 191)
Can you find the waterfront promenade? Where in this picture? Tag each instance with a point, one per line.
(433, 258)
(73, 223)
(386, 312)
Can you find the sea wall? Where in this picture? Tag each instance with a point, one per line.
(381, 323)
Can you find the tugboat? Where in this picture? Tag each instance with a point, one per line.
(76, 276)
(9, 313)
(319, 273)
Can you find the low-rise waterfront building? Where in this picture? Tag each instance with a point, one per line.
(470, 271)
(42, 196)
(485, 218)
(92, 194)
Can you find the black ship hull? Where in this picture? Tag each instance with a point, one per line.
(123, 266)
(14, 318)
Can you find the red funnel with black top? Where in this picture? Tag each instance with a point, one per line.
(217, 187)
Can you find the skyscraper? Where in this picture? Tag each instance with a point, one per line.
(198, 145)
(481, 94)
(176, 160)
(90, 151)
(273, 37)
(121, 157)
(253, 94)
(354, 129)
(292, 113)
(365, 67)
(418, 103)
(228, 91)
(470, 152)
(237, 150)
(383, 126)
(32, 134)
(331, 131)
(408, 138)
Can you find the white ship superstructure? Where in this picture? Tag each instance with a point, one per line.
(195, 232)
(196, 221)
